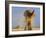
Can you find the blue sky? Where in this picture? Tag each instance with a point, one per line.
(18, 14)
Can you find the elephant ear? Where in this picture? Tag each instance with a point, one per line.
(26, 13)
